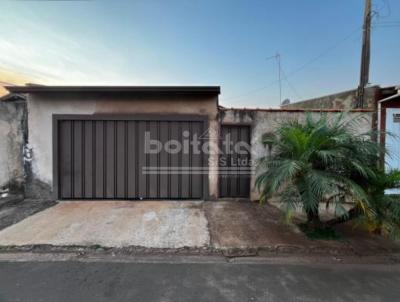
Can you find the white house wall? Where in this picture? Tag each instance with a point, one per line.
(392, 142)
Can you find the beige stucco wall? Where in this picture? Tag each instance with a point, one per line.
(264, 121)
(41, 108)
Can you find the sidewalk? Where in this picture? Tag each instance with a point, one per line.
(232, 229)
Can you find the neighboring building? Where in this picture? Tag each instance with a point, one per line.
(88, 142)
(345, 100)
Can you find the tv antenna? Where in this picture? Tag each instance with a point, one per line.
(277, 58)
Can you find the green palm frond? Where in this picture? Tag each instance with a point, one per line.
(319, 160)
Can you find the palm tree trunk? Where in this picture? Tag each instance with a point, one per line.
(313, 219)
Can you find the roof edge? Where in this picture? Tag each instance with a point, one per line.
(295, 110)
(138, 89)
(395, 96)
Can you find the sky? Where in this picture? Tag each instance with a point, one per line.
(227, 43)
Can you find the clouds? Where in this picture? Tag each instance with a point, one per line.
(43, 52)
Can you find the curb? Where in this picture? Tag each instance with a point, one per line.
(391, 261)
(228, 253)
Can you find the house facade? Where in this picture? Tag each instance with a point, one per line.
(140, 143)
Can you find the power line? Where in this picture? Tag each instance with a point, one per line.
(253, 91)
(323, 53)
(387, 22)
(378, 10)
(291, 86)
(300, 68)
(387, 26)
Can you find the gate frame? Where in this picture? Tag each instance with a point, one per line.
(124, 117)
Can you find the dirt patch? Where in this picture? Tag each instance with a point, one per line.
(237, 226)
(249, 225)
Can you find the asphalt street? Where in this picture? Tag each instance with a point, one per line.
(108, 281)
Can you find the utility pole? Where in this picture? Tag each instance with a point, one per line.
(365, 55)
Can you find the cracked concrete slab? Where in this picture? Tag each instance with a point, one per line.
(155, 224)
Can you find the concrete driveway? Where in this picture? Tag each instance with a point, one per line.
(158, 224)
(153, 224)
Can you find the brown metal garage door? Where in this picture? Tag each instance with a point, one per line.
(234, 161)
(104, 158)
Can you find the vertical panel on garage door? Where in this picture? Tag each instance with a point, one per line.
(196, 178)
(234, 162)
(142, 160)
(185, 160)
(99, 159)
(106, 159)
(174, 159)
(120, 159)
(65, 152)
(88, 149)
(164, 160)
(153, 162)
(132, 161)
(109, 158)
(77, 139)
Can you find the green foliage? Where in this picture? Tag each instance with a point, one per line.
(320, 160)
(384, 215)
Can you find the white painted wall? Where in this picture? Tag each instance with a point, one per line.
(392, 142)
(40, 120)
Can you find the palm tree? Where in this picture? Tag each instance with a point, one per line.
(320, 160)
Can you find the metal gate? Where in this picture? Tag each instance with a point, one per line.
(234, 161)
(105, 157)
